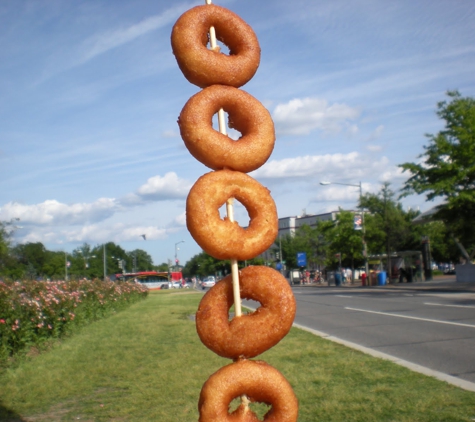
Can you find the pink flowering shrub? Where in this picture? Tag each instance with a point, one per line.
(32, 312)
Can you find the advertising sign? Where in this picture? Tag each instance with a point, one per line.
(301, 259)
(357, 222)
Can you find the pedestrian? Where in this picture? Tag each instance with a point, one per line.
(402, 274)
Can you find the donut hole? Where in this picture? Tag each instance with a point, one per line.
(232, 313)
(259, 409)
(232, 133)
(240, 213)
(223, 48)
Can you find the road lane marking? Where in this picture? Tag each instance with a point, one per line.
(411, 317)
(343, 296)
(452, 306)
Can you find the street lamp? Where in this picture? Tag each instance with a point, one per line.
(104, 260)
(66, 265)
(365, 250)
(120, 263)
(86, 258)
(176, 250)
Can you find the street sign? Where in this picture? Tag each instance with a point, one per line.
(301, 259)
(357, 222)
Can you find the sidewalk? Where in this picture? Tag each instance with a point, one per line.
(438, 284)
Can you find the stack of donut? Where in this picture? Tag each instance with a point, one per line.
(244, 336)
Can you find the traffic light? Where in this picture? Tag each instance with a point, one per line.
(277, 255)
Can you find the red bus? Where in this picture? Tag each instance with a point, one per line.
(152, 279)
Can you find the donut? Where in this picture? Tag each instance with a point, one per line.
(222, 238)
(249, 335)
(204, 67)
(259, 381)
(218, 151)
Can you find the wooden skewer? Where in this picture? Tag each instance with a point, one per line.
(234, 265)
(229, 202)
(230, 211)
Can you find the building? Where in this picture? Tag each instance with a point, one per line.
(290, 225)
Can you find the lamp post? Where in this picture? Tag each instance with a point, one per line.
(120, 263)
(104, 257)
(176, 250)
(365, 250)
(86, 257)
(66, 265)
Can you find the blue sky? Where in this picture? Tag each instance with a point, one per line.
(90, 94)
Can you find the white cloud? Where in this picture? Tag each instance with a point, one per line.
(180, 220)
(94, 234)
(393, 173)
(337, 168)
(169, 186)
(159, 188)
(302, 116)
(374, 148)
(54, 212)
(308, 165)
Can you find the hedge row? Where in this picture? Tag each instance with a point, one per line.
(32, 312)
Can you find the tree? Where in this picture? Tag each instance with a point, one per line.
(388, 227)
(204, 264)
(140, 260)
(54, 266)
(343, 240)
(442, 246)
(161, 267)
(293, 244)
(32, 257)
(447, 170)
(8, 262)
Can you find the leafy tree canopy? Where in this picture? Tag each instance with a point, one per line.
(202, 265)
(388, 226)
(447, 168)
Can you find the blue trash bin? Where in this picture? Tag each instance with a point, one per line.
(337, 278)
(382, 278)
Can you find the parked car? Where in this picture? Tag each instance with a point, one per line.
(165, 286)
(175, 285)
(209, 281)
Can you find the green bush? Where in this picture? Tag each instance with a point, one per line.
(32, 312)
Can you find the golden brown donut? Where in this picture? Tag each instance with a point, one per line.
(218, 151)
(249, 335)
(259, 381)
(222, 238)
(204, 67)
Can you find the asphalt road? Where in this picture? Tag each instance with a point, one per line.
(431, 327)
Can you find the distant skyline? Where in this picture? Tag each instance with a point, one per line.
(90, 94)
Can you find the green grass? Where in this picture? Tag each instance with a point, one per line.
(147, 364)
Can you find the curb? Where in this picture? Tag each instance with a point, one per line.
(457, 382)
(466, 385)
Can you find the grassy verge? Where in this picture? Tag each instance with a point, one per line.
(147, 364)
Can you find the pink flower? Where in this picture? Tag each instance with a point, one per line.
(2, 321)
